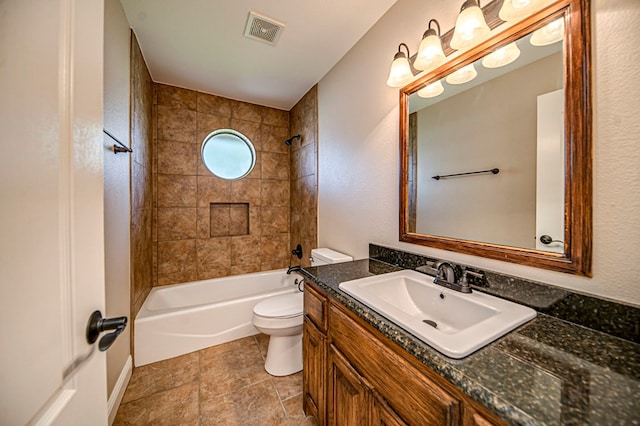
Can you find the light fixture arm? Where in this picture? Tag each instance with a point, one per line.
(431, 30)
(400, 52)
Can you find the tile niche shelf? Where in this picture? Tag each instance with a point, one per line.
(229, 219)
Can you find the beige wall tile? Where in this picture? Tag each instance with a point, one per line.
(245, 268)
(176, 124)
(246, 190)
(275, 220)
(219, 220)
(175, 97)
(213, 257)
(239, 219)
(275, 166)
(176, 191)
(177, 158)
(273, 138)
(270, 265)
(246, 111)
(203, 222)
(141, 186)
(275, 247)
(211, 104)
(176, 223)
(255, 221)
(176, 261)
(304, 162)
(275, 117)
(275, 193)
(141, 253)
(245, 250)
(212, 189)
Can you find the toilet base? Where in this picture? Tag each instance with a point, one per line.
(284, 355)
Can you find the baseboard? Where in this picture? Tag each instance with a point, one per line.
(118, 390)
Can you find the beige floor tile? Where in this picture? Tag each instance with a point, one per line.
(178, 406)
(161, 376)
(256, 404)
(288, 386)
(295, 413)
(230, 367)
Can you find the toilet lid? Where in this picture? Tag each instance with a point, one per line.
(283, 306)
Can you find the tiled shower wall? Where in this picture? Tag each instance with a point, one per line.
(141, 179)
(188, 244)
(304, 212)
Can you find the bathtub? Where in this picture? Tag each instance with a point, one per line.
(182, 318)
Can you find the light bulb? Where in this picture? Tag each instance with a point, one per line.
(463, 75)
(501, 57)
(471, 27)
(432, 90)
(549, 34)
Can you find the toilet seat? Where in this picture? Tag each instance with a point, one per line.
(282, 306)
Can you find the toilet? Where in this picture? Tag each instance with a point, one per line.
(281, 317)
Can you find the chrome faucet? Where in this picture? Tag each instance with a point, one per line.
(446, 277)
(444, 270)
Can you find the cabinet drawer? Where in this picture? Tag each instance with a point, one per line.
(315, 307)
(416, 398)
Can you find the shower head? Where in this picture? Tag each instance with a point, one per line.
(288, 141)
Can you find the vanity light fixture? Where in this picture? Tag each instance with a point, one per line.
(430, 53)
(549, 34)
(400, 73)
(471, 27)
(463, 75)
(431, 90)
(514, 10)
(501, 57)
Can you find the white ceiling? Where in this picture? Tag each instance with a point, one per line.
(200, 44)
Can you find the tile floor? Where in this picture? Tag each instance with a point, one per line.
(222, 385)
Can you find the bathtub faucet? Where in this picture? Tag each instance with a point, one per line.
(291, 269)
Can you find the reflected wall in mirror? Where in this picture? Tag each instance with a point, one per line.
(499, 110)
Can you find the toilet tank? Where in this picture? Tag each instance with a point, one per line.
(325, 256)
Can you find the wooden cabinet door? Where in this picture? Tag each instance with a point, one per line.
(382, 414)
(314, 351)
(348, 395)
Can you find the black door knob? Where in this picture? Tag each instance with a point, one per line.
(97, 325)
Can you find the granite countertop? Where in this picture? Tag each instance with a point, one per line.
(546, 372)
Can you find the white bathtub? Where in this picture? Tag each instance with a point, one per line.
(182, 318)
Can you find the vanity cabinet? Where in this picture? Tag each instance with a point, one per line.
(353, 375)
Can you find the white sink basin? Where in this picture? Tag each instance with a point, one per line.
(459, 323)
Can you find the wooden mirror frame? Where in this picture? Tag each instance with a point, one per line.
(576, 258)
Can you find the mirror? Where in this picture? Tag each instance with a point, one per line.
(495, 146)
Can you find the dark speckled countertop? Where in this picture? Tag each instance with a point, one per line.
(547, 372)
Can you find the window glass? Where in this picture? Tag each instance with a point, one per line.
(228, 154)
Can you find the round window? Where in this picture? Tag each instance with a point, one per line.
(228, 154)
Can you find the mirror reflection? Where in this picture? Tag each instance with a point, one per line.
(503, 117)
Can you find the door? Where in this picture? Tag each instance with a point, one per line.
(550, 171)
(51, 215)
(348, 394)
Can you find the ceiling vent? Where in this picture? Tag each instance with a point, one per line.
(264, 29)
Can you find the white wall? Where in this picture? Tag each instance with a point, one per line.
(359, 157)
(116, 182)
